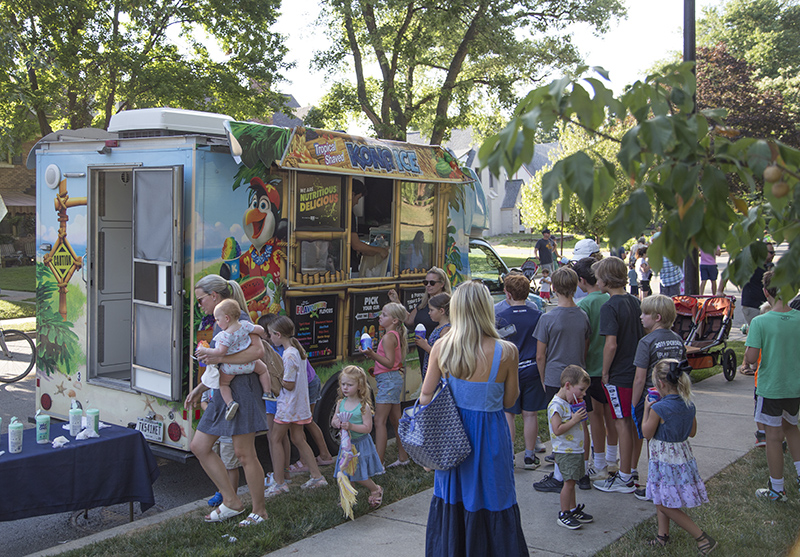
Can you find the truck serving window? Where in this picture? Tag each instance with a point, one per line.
(417, 218)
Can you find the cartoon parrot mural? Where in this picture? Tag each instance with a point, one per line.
(261, 266)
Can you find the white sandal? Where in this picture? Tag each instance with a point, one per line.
(222, 513)
(252, 519)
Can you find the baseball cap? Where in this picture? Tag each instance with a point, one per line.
(585, 248)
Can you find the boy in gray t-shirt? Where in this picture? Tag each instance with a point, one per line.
(562, 336)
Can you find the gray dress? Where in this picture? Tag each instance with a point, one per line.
(246, 390)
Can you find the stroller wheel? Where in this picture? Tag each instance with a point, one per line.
(729, 364)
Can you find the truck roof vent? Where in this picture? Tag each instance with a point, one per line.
(158, 122)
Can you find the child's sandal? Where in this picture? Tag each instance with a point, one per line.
(375, 499)
(705, 544)
(659, 541)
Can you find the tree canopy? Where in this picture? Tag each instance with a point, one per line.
(763, 33)
(573, 139)
(676, 161)
(74, 63)
(442, 63)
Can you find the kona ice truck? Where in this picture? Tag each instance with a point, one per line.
(130, 218)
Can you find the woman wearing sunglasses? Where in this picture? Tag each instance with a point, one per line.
(435, 282)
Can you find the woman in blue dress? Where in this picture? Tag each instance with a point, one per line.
(474, 508)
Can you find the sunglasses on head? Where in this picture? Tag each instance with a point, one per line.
(429, 282)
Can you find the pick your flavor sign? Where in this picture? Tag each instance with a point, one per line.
(329, 151)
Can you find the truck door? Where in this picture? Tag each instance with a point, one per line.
(136, 301)
(157, 300)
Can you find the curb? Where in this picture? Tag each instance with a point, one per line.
(123, 529)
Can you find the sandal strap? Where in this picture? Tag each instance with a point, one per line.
(659, 541)
(705, 544)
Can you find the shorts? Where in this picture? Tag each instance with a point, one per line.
(671, 290)
(644, 286)
(708, 272)
(224, 448)
(749, 313)
(637, 413)
(271, 406)
(634, 289)
(390, 387)
(771, 411)
(531, 397)
(595, 392)
(549, 393)
(571, 465)
(544, 295)
(314, 390)
(620, 400)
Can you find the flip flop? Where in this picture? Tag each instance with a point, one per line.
(252, 519)
(222, 513)
(323, 462)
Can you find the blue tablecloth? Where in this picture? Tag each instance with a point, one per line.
(117, 467)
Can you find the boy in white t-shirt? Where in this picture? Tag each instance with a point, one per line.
(565, 413)
(544, 285)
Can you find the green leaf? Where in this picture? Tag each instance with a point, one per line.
(632, 216)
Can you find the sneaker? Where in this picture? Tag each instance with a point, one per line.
(276, 490)
(614, 484)
(551, 458)
(585, 482)
(231, 410)
(597, 474)
(566, 520)
(641, 494)
(539, 447)
(314, 483)
(771, 494)
(532, 463)
(549, 484)
(581, 516)
(635, 477)
(761, 439)
(216, 500)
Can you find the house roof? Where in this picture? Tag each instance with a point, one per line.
(541, 157)
(14, 199)
(512, 192)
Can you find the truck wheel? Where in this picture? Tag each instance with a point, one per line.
(324, 410)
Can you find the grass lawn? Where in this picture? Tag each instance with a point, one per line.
(15, 310)
(742, 524)
(18, 278)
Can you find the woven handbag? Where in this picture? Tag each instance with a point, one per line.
(433, 434)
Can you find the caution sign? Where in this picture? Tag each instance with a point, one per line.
(61, 261)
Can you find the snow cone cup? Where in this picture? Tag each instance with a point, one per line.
(366, 341)
(230, 258)
(420, 331)
(577, 406)
(653, 395)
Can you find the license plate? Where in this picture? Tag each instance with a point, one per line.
(151, 429)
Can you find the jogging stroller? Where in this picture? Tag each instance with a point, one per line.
(529, 268)
(704, 323)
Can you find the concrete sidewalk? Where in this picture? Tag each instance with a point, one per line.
(725, 426)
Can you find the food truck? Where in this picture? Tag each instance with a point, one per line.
(130, 218)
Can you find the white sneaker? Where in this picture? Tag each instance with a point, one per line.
(597, 474)
(539, 447)
(614, 484)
